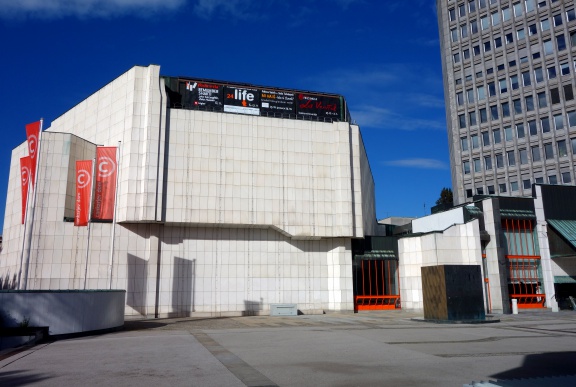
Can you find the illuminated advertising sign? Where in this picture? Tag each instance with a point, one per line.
(275, 101)
(318, 106)
(241, 100)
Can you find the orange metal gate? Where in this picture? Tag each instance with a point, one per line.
(523, 262)
(376, 285)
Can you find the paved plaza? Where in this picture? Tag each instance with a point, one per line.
(384, 348)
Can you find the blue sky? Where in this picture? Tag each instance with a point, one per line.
(382, 55)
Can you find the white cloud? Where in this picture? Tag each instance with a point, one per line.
(382, 118)
(418, 163)
(48, 9)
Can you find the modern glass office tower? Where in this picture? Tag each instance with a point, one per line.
(509, 70)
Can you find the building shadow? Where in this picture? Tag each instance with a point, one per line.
(21, 378)
(253, 308)
(183, 283)
(137, 284)
(542, 365)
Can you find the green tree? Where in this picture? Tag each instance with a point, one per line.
(446, 197)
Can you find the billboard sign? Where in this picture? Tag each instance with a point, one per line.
(204, 95)
(276, 101)
(241, 100)
(313, 105)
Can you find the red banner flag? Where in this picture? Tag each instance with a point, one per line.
(26, 176)
(83, 190)
(33, 135)
(106, 169)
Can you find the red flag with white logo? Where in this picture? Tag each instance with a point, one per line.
(104, 194)
(25, 178)
(33, 135)
(83, 190)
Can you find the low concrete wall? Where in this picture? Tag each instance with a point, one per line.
(64, 311)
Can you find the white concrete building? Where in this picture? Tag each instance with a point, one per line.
(217, 213)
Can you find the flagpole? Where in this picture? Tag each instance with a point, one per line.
(111, 258)
(89, 221)
(34, 187)
(25, 226)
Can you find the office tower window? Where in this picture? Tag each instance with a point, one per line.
(490, 190)
(564, 69)
(503, 85)
(471, 6)
(477, 165)
(520, 130)
(479, 191)
(481, 93)
(545, 24)
(494, 112)
(466, 54)
(508, 135)
(517, 104)
(491, 89)
(487, 46)
(529, 100)
(475, 141)
(514, 186)
(530, 5)
(462, 10)
(483, 116)
(568, 92)
(552, 179)
(509, 38)
(476, 50)
(573, 38)
(481, 4)
(468, 193)
(557, 20)
(554, 95)
(514, 82)
(558, 121)
(526, 184)
(539, 180)
(472, 118)
(538, 74)
(460, 98)
(520, 34)
(570, 15)
(523, 153)
(454, 34)
(517, 9)
(488, 163)
(562, 150)
(548, 48)
(573, 141)
(457, 57)
(545, 124)
(484, 23)
(461, 121)
(511, 158)
(452, 14)
(561, 42)
(532, 127)
(473, 27)
(506, 14)
(535, 55)
(470, 95)
(495, 18)
(486, 138)
(532, 29)
(572, 118)
(548, 151)
(464, 31)
(505, 109)
(466, 167)
(498, 44)
(464, 144)
(566, 178)
(526, 78)
(497, 136)
(536, 154)
(551, 72)
(499, 161)
(502, 187)
(542, 101)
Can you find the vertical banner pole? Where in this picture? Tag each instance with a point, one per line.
(111, 258)
(24, 234)
(35, 186)
(89, 222)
